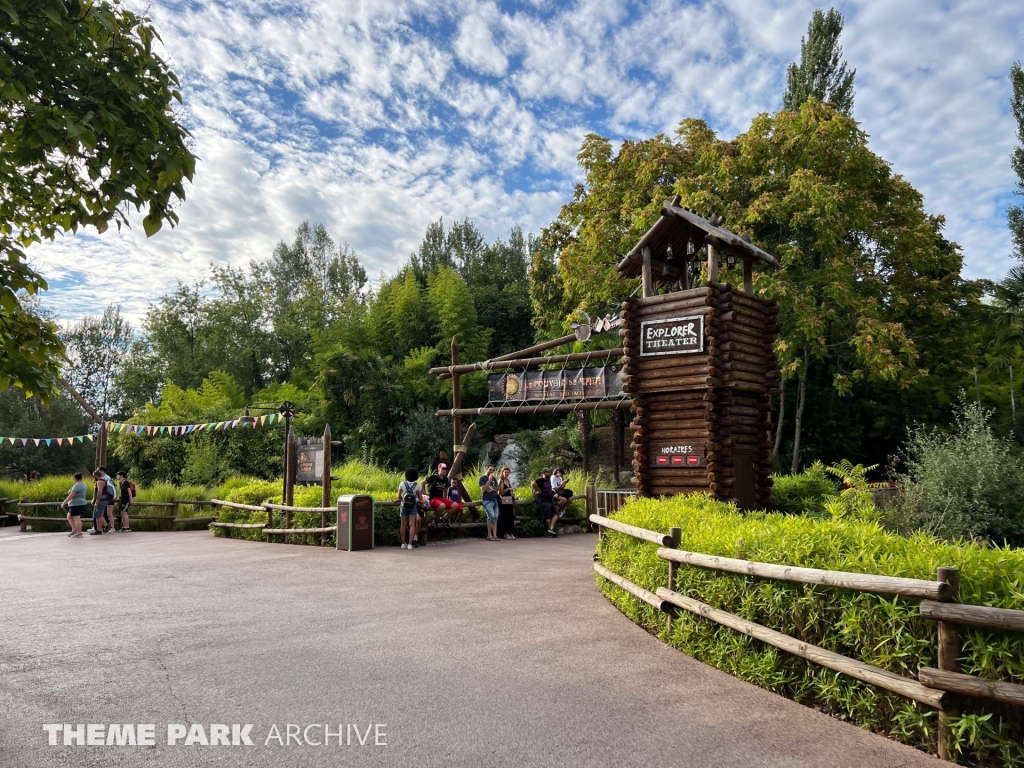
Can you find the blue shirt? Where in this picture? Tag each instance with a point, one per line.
(81, 493)
(489, 495)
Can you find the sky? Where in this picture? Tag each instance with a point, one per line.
(376, 118)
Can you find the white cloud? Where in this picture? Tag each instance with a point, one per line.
(376, 118)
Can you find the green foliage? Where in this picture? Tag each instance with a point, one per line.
(60, 417)
(30, 349)
(803, 493)
(964, 483)
(821, 73)
(886, 632)
(95, 349)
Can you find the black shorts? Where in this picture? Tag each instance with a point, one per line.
(76, 511)
(546, 507)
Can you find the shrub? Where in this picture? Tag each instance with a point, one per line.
(967, 483)
(883, 631)
(803, 493)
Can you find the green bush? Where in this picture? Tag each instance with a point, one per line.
(803, 493)
(883, 631)
(967, 483)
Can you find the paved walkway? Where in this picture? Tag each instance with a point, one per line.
(472, 654)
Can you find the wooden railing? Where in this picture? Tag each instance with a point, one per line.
(171, 519)
(937, 603)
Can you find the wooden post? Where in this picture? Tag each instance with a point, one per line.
(289, 468)
(647, 274)
(712, 263)
(677, 537)
(270, 521)
(101, 444)
(174, 514)
(456, 403)
(949, 655)
(325, 483)
(748, 277)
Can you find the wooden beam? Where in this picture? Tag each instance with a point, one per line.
(524, 410)
(530, 362)
(637, 591)
(974, 615)
(664, 539)
(647, 274)
(968, 685)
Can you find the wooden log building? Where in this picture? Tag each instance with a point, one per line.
(699, 364)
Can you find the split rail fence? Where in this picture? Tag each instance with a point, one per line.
(938, 603)
(174, 506)
(325, 529)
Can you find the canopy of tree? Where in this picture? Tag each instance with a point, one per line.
(87, 131)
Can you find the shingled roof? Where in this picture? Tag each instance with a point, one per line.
(678, 227)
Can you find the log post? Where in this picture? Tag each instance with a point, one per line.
(647, 274)
(590, 505)
(677, 537)
(289, 468)
(748, 277)
(325, 483)
(270, 521)
(712, 263)
(456, 402)
(174, 514)
(949, 656)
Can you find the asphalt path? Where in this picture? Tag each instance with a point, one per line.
(467, 654)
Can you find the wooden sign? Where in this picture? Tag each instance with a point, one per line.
(574, 384)
(678, 455)
(309, 463)
(673, 336)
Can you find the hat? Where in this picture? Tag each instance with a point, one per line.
(545, 471)
(441, 466)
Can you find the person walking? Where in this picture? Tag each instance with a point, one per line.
(127, 497)
(410, 497)
(77, 500)
(489, 498)
(506, 525)
(111, 495)
(99, 504)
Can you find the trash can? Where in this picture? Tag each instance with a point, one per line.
(355, 522)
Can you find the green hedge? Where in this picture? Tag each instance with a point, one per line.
(886, 632)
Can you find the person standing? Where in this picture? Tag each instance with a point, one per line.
(111, 496)
(410, 496)
(545, 498)
(489, 497)
(506, 528)
(99, 504)
(127, 497)
(77, 500)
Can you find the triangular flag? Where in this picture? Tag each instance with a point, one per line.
(60, 441)
(11, 439)
(189, 428)
(263, 419)
(24, 441)
(79, 438)
(92, 438)
(36, 441)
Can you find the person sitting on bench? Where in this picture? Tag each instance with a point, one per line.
(545, 498)
(563, 494)
(437, 489)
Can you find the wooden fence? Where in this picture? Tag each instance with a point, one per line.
(938, 602)
(170, 519)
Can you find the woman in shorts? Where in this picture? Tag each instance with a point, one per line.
(75, 502)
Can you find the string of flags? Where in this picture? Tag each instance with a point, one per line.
(147, 429)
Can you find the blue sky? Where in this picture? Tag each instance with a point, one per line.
(376, 118)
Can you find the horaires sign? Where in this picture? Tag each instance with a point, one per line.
(674, 336)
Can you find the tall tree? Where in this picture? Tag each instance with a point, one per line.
(1015, 213)
(97, 348)
(821, 73)
(87, 131)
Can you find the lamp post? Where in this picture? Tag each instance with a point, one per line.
(286, 409)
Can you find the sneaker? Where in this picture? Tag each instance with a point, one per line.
(415, 545)
(71, 534)
(447, 524)
(551, 532)
(126, 530)
(94, 532)
(76, 535)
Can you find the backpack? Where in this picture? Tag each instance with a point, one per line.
(131, 487)
(409, 500)
(109, 492)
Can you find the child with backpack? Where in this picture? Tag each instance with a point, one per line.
(410, 496)
(127, 497)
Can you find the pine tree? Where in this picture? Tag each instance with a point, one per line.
(821, 73)
(1015, 213)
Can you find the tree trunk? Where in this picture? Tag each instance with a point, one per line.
(800, 401)
(618, 435)
(782, 417)
(583, 419)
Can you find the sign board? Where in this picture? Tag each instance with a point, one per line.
(678, 455)
(355, 523)
(309, 463)
(674, 336)
(566, 384)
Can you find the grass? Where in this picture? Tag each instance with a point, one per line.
(883, 631)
